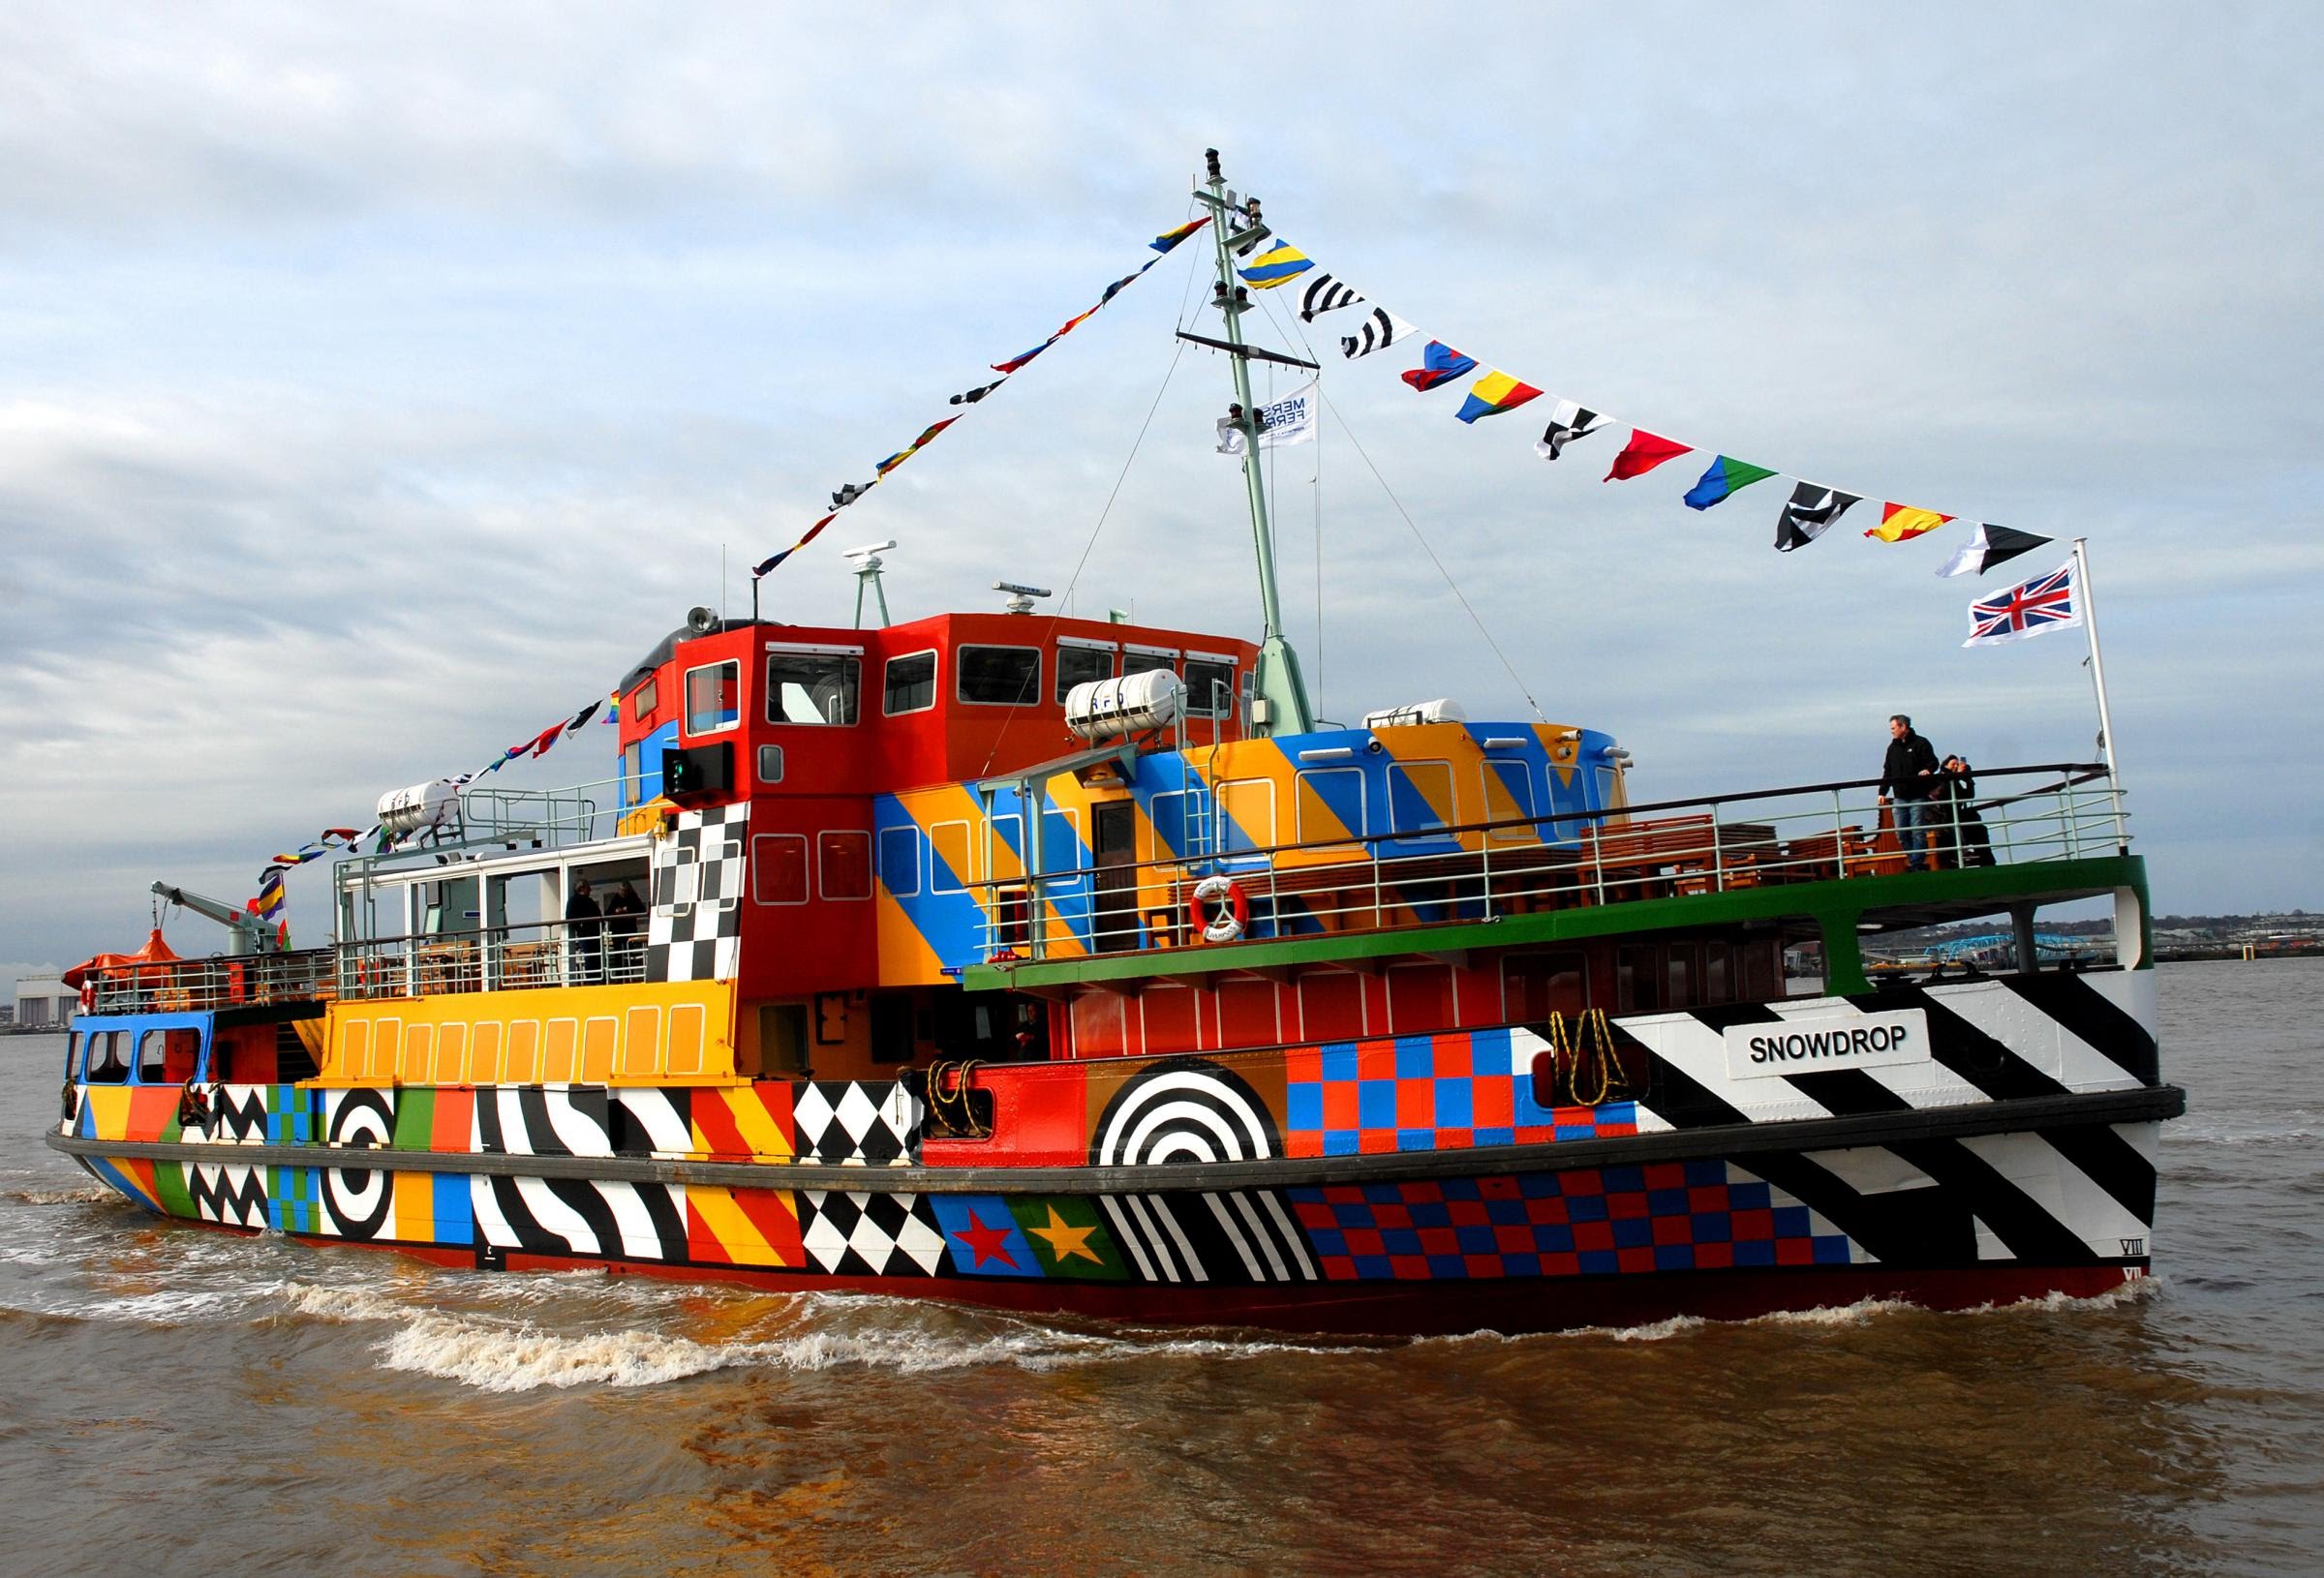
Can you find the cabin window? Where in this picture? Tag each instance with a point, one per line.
(634, 762)
(1420, 795)
(1134, 661)
(1637, 985)
(899, 860)
(770, 764)
(153, 1062)
(1246, 815)
(909, 685)
(714, 697)
(107, 1066)
(1001, 676)
(1062, 847)
(813, 687)
(1330, 805)
(1760, 970)
(1209, 687)
(1535, 985)
(1717, 973)
(1006, 851)
(843, 860)
(1508, 794)
(1679, 972)
(948, 867)
(644, 699)
(779, 867)
(71, 1055)
(1080, 665)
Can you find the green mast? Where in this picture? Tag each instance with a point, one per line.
(1276, 685)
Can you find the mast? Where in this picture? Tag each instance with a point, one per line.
(1278, 691)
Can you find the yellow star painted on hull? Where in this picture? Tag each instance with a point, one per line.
(1066, 1240)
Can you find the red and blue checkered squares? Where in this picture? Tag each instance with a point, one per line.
(1424, 1093)
(1678, 1216)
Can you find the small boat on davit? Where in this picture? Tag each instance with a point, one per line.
(1073, 965)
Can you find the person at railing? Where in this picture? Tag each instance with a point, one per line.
(625, 927)
(584, 964)
(1967, 839)
(1908, 781)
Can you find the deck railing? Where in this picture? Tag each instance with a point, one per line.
(1477, 871)
(207, 985)
(494, 959)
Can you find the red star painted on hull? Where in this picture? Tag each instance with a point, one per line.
(986, 1243)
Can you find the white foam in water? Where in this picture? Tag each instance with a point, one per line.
(82, 1194)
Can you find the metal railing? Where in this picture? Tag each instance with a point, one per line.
(206, 984)
(494, 959)
(1482, 870)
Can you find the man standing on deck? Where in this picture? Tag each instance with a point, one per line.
(1909, 776)
(581, 928)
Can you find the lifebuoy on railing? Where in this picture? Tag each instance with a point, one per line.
(1231, 917)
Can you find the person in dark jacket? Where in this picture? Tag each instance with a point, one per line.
(1964, 835)
(582, 927)
(1908, 779)
(624, 920)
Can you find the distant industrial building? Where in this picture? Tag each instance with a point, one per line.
(43, 1002)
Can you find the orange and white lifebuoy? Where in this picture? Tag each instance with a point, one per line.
(1219, 909)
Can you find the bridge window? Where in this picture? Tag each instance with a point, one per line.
(1508, 793)
(909, 683)
(152, 1058)
(1209, 687)
(1080, 665)
(106, 1064)
(1138, 660)
(779, 867)
(1420, 795)
(813, 687)
(899, 860)
(844, 863)
(644, 699)
(1001, 676)
(713, 697)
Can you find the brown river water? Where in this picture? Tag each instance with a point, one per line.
(175, 1401)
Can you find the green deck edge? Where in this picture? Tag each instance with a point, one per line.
(1833, 908)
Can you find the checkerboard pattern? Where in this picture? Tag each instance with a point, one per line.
(871, 1235)
(1427, 1093)
(1679, 1216)
(855, 1123)
(696, 934)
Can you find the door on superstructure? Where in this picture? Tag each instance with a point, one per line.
(1114, 841)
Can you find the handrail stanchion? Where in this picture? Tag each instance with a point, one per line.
(1839, 835)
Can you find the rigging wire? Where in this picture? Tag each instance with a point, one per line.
(1300, 333)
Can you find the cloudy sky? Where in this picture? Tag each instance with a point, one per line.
(376, 386)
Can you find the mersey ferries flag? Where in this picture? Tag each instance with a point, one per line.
(2049, 602)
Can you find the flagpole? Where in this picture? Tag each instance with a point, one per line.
(2098, 675)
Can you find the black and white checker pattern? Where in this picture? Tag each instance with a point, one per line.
(853, 1122)
(694, 930)
(871, 1235)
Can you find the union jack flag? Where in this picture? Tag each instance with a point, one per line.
(2046, 602)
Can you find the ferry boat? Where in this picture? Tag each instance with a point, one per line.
(1073, 966)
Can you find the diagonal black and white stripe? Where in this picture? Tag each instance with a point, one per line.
(1327, 293)
(1381, 329)
(1241, 1235)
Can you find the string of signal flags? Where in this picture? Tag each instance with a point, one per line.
(848, 494)
(1812, 509)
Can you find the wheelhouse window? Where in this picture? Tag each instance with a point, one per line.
(779, 867)
(1209, 687)
(1001, 676)
(813, 687)
(1080, 665)
(1134, 661)
(644, 700)
(843, 863)
(714, 697)
(152, 1058)
(910, 683)
(106, 1064)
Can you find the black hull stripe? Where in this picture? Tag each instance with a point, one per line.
(2112, 1163)
(2027, 1231)
(1847, 1092)
(2084, 1010)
